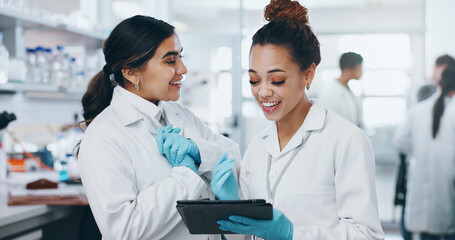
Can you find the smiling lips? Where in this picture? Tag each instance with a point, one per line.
(270, 106)
(176, 82)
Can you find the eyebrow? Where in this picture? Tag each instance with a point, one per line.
(271, 71)
(172, 53)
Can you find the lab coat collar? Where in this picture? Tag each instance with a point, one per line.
(314, 121)
(133, 108)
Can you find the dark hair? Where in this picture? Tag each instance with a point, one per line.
(130, 45)
(445, 59)
(289, 27)
(447, 86)
(350, 60)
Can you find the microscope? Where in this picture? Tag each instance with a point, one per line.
(6, 118)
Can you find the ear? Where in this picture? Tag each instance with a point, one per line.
(131, 75)
(309, 74)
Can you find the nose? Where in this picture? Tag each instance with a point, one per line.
(181, 68)
(265, 91)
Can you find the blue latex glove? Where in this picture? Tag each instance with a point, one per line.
(278, 228)
(175, 146)
(161, 135)
(223, 181)
(187, 162)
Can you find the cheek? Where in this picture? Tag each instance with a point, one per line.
(253, 90)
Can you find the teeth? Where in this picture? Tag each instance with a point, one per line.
(269, 104)
(176, 83)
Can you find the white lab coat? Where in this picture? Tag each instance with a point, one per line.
(430, 198)
(328, 191)
(132, 189)
(337, 98)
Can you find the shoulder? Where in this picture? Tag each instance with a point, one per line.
(423, 106)
(340, 129)
(176, 107)
(105, 124)
(257, 142)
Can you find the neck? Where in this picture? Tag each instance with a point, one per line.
(451, 94)
(344, 79)
(288, 125)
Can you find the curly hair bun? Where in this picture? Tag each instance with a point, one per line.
(286, 10)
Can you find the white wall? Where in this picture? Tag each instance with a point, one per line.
(440, 24)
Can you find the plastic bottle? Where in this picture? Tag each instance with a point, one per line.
(3, 163)
(64, 173)
(31, 65)
(48, 67)
(60, 67)
(41, 64)
(4, 61)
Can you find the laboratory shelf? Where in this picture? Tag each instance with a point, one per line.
(43, 91)
(12, 18)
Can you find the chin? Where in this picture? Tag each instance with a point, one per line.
(271, 117)
(174, 98)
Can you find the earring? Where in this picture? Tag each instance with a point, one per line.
(308, 87)
(136, 85)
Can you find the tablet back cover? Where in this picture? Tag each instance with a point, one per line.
(201, 216)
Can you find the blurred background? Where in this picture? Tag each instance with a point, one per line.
(55, 48)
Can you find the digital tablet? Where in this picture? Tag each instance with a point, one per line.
(200, 216)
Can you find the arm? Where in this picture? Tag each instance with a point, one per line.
(356, 200)
(212, 146)
(120, 209)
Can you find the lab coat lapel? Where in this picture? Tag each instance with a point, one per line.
(132, 108)
(126, 112)
(174, 118)
(271, 143)
(314, 121)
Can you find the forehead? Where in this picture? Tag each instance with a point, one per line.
(169, 44)
(269, 54)
(264, 58)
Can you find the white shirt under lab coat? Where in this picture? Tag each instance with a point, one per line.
(328, 191)
(337, 98)
(430, 198)
(132, 189)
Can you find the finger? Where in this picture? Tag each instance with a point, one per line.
(176, 130)
(159, 141)
(243, 220)
(218, 173)
(168, 142)
(182, 150)
(222, 180)
(168, 128)
(180, 154)
(173, 151)
(233, 227)
(221, 160)
(224, 167)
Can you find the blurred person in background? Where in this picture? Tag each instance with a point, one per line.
(440, 65)
(428, 139)
(424, 92)
(338, 97)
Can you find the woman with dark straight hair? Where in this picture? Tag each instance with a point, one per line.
(315, 167)
(428, 137)
(131, 175)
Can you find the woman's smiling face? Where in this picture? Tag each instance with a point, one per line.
(277, 82)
